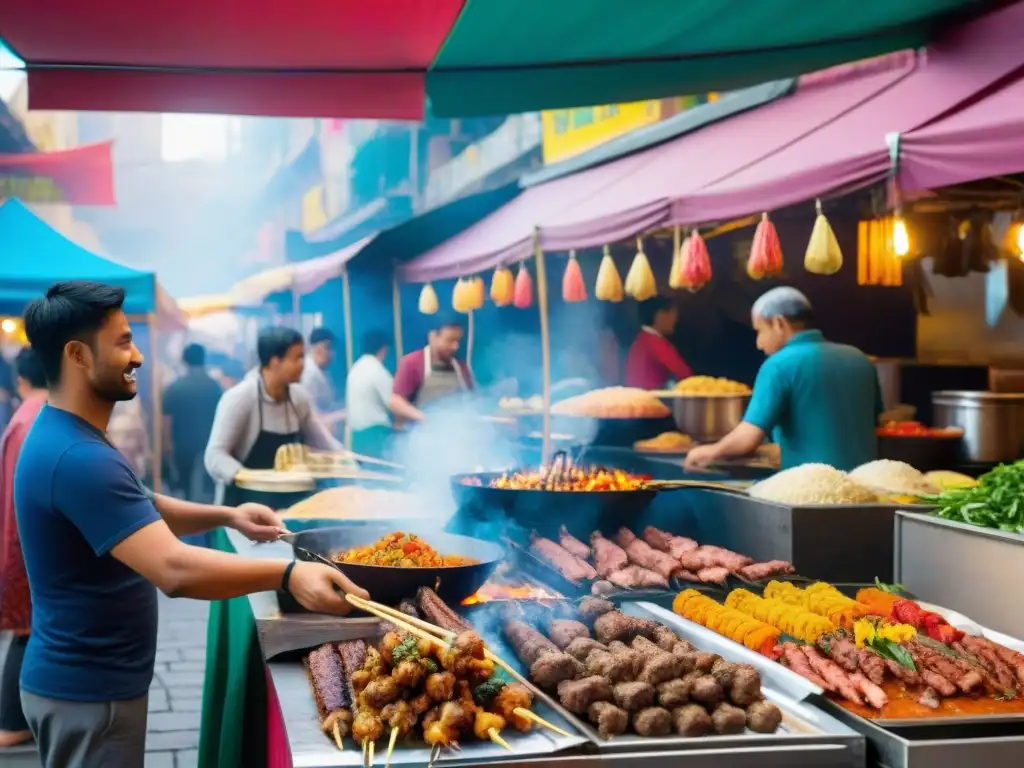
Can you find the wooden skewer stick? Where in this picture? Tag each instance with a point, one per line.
(370, 764)
(493, 733)
(372, 460)
(435, 752)
(337, 736)
(531, 715)
(365, 744)
(423, 629)
(391, 747)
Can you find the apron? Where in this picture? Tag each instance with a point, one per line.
(438, 385)
(261, 456)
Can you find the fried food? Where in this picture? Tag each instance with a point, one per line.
(404, 550)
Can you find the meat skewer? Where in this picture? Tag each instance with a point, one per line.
(437, 612)
(329, 689)
(643, 554)
(636, 577)
(570, 566)
(675, 546)
(609, 557)
(572, 545)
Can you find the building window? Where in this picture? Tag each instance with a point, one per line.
(199, 137)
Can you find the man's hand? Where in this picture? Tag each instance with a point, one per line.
(257, 522)
(700, 456)
(316, 587)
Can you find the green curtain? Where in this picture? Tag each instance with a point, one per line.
(234, 691)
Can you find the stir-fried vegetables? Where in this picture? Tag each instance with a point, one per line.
(403, 550)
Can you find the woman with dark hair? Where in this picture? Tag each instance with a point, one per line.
(264, 411)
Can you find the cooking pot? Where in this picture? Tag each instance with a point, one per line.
(993, 422)
(707, 418)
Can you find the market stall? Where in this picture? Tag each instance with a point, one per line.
(725, 654)
(25, 276)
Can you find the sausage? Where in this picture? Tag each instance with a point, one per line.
(437, 612)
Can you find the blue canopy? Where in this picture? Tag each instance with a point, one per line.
(33, 256)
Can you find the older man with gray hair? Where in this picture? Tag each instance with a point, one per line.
(818, 400)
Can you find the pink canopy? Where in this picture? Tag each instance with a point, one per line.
(634, 193)
(309, 275)
(852, 150)
(985, 139)
(829, 135)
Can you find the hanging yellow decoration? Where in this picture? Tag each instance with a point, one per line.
(609, 283)
(823, 256)
(462, 296)
(640, 279)
(501, 287)
(477, 292)
(675, 274)
(428, 300)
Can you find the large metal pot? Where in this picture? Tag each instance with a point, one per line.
(993, 422)
(707, 418)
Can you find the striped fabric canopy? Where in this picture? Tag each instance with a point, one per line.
(388, 59)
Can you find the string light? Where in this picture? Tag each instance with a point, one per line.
(900, 237)
(8, 325)
(1020, 241)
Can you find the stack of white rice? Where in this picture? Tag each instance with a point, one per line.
(894, 478)
(810, 484)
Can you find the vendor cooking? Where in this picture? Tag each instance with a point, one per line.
(264, 411)
(820, 401)
(434, 373)
(652, 361)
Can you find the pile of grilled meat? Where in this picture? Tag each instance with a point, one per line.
(647, 561)
(626, 673)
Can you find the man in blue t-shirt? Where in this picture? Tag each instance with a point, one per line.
(97, 544)
(818, 400)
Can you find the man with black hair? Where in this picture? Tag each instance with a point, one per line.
(189, 405)
(370, 398)
(15, 600)
(652, 361)
(264, 411)
(820, 401)
(427, 375)
(97, 544)
(316, 377)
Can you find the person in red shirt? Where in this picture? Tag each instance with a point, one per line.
(652, 361)
(15, 601)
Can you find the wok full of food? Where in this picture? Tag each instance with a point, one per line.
(394, 564)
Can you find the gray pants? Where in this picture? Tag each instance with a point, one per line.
(83, 734)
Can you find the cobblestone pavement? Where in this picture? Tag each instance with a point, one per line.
(176, 696)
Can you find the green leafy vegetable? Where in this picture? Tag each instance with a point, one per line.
(892, 589)
(405, 650)
(430, 665)
(487, 690)
(887, 649)
(996, 502)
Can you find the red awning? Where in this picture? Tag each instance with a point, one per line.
(318, 58)
(80, 176)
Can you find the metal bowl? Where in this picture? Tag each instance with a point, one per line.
(707, 418)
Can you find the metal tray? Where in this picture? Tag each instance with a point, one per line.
(800, 688)
(802, 724)
(310, 748)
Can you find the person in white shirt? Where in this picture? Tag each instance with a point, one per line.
(370, 399)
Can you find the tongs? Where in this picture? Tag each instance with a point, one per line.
(706, 485)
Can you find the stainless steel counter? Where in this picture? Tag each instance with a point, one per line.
(976, 571)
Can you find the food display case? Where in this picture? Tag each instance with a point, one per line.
(969, 569)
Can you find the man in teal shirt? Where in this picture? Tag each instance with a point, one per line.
(818, 400)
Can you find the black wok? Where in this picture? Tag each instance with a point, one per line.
(514, 511)
(390, 584)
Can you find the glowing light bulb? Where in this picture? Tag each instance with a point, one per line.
(900, 238)
(8, 325)
(1020, 240)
